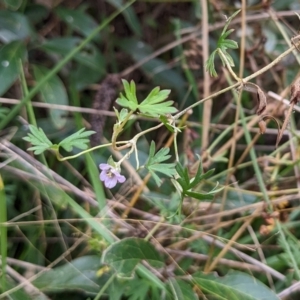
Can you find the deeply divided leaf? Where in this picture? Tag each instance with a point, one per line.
(78, 140)
(38, 139)
(154, 163)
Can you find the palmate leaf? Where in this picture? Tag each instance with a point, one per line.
(155, 110)
(223, 45)
(188, 184)
(152, 106)
(78, 140)
(129, 100)
(38, 139)
(210, 65)
(154, 163)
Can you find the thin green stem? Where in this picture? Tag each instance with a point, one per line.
(134, 140)
(265, 193)
(86, 151)
(224, 58)
(223, 134)
(60, 65)
(246, 79)
(105, 286)
(29, 108)
(117, 130)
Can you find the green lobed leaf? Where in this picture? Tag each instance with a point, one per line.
(229, 20)
(77, 139)
(229, 44)
(156, 178)
(154, 163)
(160, 156)
(130, 90)
(183, 173)
(210, 64)
(165, 120)
(130, 100)
(156, 96)
(167, 169)
(226, 34)
(125, 255)
(155, 110)
(38, 139)
(199, 176)
(199, 196)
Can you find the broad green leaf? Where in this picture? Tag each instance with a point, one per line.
(53, 92)
(78, 140)
(79, 274)
(88, 56)
(83, 76)
(13, 4)
(167, 77)
(234, 286)
(13, 26)
(38, 139)
(126, 254)
(181, 290)
(78, 20)
(36, 13)
(19, 294)
(129, 15)
(10, 55)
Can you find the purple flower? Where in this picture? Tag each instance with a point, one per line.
(110, 176)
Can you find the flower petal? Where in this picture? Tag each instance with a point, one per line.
(110, 182)
(105, 167)
(120, 178)
(103, 175)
